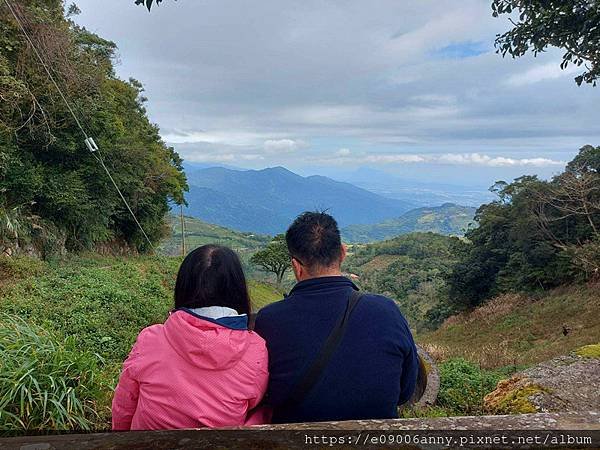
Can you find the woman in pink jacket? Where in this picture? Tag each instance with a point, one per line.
(202, 367)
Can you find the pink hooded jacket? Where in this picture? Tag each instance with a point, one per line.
(190, 373)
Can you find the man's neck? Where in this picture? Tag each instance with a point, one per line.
(323, 274)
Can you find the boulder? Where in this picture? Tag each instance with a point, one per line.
(565, 383)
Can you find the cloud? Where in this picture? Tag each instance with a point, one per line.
(233, 137)
(477, 159)
(223, 157)
(549, 71)
(464, 159)
(282, 145)
(396, 84)
(343, 152)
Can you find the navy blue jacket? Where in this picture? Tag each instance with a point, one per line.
(373, 370)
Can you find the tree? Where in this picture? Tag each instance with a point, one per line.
(275, 258)
(571, 25)
(537, 235)
(148, 3)
(53, 192)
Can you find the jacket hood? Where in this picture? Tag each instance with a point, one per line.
(203, 343)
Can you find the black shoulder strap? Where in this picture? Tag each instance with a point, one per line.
(313, 373)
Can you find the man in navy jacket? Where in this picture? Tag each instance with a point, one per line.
(374, 368)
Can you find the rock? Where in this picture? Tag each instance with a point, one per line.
(565, 383)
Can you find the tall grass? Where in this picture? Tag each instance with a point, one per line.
(46, 381)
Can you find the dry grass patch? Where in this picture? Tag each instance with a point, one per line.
(516, 329)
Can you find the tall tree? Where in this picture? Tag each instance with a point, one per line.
(571, 25)
(537, 235)
(274, 258)
(61, 195)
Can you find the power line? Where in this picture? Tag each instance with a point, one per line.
(87, 137)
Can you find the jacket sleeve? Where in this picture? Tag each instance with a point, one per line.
(126, 395)
(260, 413)
(410, 366)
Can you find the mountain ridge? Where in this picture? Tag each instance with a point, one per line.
(267, 200)
(449, 219)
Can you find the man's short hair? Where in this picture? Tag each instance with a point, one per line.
(314, 240)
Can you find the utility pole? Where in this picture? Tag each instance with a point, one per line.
(183, 252)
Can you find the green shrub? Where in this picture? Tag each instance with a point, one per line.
(46, 381)
(19, 267)
(463, 385)
(103, 302)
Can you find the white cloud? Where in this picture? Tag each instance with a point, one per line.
(237, 138)
(282, 145)
(221, 157)
(477, 159)
(464, 159)
(343, 152)
(548, 71)
(257, 80)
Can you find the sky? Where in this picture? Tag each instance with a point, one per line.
(412, 88)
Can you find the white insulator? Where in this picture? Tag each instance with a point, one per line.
(91, 145)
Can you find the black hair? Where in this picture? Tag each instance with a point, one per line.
(314, 240)
(212, 275)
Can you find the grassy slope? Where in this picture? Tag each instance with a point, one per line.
(200, 233)
(103, 301)
(520, 330)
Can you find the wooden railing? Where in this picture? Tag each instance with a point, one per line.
(302, 435)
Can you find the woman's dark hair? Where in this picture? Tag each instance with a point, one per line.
(212, 275)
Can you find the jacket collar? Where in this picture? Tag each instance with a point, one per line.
(233, 322)
(316, 284)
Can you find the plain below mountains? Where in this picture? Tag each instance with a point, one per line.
(268, 200)
(448, 219)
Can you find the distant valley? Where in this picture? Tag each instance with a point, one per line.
(448, 219)
(419, 193)
(267, 201)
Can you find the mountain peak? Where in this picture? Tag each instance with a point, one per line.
(278, 170)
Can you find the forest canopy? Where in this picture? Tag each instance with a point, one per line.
(538, 235)
(54, 195)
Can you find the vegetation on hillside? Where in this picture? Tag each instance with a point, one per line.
(520, 329)
(54, 195)
(412, 270)
(47, 382)
(198, 233)
(274, 258)
(448, 219)
(86, 311)
(538, 235)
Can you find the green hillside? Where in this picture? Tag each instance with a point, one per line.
(198, 232)
(448, 219)
(520, 329)
(90, 310)
(411, 269)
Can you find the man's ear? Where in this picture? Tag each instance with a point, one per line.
(297, 268)
(343, 253)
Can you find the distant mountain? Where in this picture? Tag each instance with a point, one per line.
(266, 201)
(448, 219)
